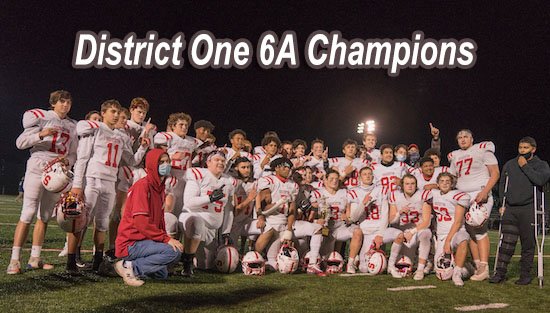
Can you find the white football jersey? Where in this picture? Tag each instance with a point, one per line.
(376, 210)
(415, 203)
(135, 130)
(63, 142)
(341, 163)
(470, 166)
(202, 154)
(266, 171)
(317, 184)
(100, 152)
(258, 150)
(317, 165)
(422, 180)
(444, 208)
(241, 193)
(337, 203)
(176, 144)
(279, 188)
(385, 175)
(375, 155)
(200, 185)
(231, 153)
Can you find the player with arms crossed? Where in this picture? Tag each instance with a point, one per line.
(348, 166)
(476, 168)
(208, 205)
(411, 207)
(51, 136)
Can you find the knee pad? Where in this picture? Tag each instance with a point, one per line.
(424, 236)
(101, 223)
(510, 229)
(193, 227)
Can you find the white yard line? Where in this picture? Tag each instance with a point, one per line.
(15, 224)
(356, 274)
(411, 288)
(482, 307)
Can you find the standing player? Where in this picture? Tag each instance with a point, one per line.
(260, 149)
(50, 135)
(411, 208)
(286, 149)
(348, 166)
(369, 140)
(388, 173)
(299, 147)
(208, 205)
(449, 206)
(203, 132)
(476, 168)
(236, 137)
(320, 156)
(100, 150)
(261, 161)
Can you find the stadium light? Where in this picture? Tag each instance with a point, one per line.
(368, 126)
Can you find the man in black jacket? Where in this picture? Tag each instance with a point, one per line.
(524, 171)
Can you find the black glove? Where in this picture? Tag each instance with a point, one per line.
(305, 206)
(226, 240)
(217, 194)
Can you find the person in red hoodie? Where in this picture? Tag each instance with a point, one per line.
(142, 242)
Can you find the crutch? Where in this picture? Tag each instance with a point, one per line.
(539, 212)
(500, 223)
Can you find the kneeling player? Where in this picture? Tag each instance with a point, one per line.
(449, 206)
(413, 211)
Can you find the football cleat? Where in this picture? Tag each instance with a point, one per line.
(64, 252)
(81, 263)
(37, 263)
(14, 267)
(428, 268)
(351, 268)
(315, 269)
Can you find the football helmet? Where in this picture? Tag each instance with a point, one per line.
(287, 260)
(56, 178)
(374, 262)
(476, 215)
(227, 259)
(444, 266)
(253, 264)
(305, 261)
(335, 263)
(404, 266)
(71, 214)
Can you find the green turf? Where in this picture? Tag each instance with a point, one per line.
(44, 291)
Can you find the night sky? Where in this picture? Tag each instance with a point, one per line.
(502, 98)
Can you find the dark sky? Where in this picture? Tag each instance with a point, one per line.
(502, 98)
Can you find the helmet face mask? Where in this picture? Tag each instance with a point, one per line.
(287, 260)
(253, 264)
(71, 214)
(335, 263)
(444, 266)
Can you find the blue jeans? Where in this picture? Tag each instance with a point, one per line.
(150, 258)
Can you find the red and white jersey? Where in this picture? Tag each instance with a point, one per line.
(385, 175)
(258, 150)
(341, 163)
(422, 180)
(231, 153)
(317, 185)
(241, 193)
(63, 142)
(176, 144)
(375, 155)
(258, 170)
(337, 203)
(135, 130)
(100, 152)
(376, 210)
(444, 208)
(200, 183)
(317, 165)
(415, 203)
(279, 187)
(470, 166)
(202, 154)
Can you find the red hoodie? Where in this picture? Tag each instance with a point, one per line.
(143, 217)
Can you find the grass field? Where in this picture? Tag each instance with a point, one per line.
(45, 291)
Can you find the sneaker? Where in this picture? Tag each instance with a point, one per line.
(64, 252)
(428, 268)
(315, 269)
(457, 278)
(498, 278)
(125, 270)
(418, 275)
(14, 267)
(80, 263)
(482, 273)
(394, 272)
(37, 263)
(351, 268)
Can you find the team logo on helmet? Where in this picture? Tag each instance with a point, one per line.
(56, 178)
(227, 259)
(476, 215)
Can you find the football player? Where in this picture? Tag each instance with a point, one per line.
(236, 137)
(348, 166)
(261, 161)
(388, 173)
(299, 147)
(414, 155)
(101, 149)
(426, 175)
(208, 205)
(449, 206)
(319, 157)
(286, 149)
(93, 115)
(337, 220)
(410, 207)
(203, 132)
(277, 214)
(476, 168)
(50, 135)
(260, 149)
(369, 140)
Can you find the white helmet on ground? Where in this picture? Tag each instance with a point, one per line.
(444, 266)
(227, 259)
(335, 263)
(56, 178)
(287, 260)
(404, 266)
(253, 264)
(374, 262)
(71, 214)
(476, 215)
(305, 261)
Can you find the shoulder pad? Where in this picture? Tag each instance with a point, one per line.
(85, 127)
(450, 157)
(426, 195)
(461, 198)
(32, 117)
(194, 174)
(316, 194)
(171, 181)
(162, 137)
(257, 157)
(487, 146)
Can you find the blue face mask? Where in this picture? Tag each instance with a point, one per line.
(400, 158)
(164, 169)
(414, 156)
